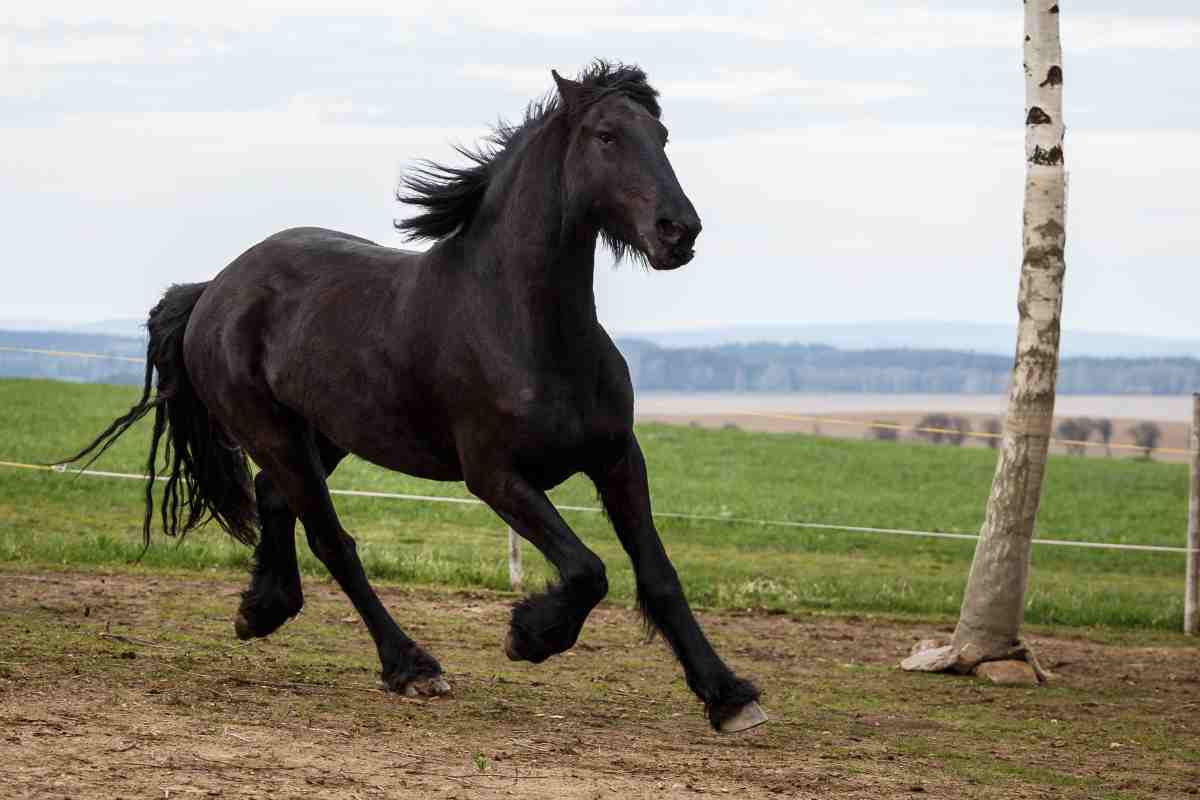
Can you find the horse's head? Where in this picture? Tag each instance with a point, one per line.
(618, 176)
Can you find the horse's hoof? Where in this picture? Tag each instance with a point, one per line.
(748, 716)
(260, 615)
(526, 648)
(435, 686)
(510, 648)
(241, 626)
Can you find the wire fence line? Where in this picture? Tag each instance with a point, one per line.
(72, 354)
(719, 518)
(758, 414)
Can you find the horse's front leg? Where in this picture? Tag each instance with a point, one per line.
(547, 623)
(729, 701)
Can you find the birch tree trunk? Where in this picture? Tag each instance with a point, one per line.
(994, 602)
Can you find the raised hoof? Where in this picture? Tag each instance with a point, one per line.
(521, 646)
(435, 686)
(748, 716)
(244, 630)
(264, 613)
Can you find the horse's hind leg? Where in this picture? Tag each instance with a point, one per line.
(297, 471)
(274, 595)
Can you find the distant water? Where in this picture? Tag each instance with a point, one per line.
(1146, 407)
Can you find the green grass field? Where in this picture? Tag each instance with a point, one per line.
(51, 519)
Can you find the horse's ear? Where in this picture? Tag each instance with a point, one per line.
(569, 91)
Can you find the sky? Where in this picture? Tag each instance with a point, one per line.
(851, 161)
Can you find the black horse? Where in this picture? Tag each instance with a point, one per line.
(480, 360)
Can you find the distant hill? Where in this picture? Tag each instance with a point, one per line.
(760, 367)
(969, 336)
(135, 328)
(975, 337)
(766, 367)
(72, 368)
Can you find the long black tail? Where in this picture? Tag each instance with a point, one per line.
(208, 475)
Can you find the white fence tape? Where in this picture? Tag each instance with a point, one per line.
(732, 520)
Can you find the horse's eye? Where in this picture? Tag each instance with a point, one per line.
(606, 137)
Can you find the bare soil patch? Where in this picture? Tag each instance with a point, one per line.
(132, 685)
(1175, 435)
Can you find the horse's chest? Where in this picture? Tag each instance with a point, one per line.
(559, 436)
(565, 429)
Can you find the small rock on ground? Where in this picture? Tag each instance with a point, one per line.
(939, 659)
(1008, 673)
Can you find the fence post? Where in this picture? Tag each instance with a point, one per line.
(1191, 617)
(514, 560)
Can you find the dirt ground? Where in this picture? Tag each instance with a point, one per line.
(1175, 435)
(132, 685)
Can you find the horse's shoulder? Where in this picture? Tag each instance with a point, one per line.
(612, 358)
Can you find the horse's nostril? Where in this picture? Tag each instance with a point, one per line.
(669, 231)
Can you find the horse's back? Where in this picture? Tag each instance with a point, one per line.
(294, 293)
(312, 232)
(309, 243)
(328, 325)
(296, 277)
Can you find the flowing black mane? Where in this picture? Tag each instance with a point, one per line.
(450, 196)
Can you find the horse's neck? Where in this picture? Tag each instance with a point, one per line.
(550, 291)
(544, 267)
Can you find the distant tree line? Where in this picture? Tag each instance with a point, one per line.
(818, 368)
(937, 428)
(1074, 434)
(740, 368)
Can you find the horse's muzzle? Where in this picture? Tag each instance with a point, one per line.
(672, 258)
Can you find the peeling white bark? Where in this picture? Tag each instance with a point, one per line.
(994, 602)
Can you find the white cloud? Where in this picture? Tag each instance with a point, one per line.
(723, 85)
(1122, 32)
(849, 222)
(556, 23)
(107, 48)
(238, 14)
(751, 86)
(22, 84)
(822, 23)
(853, 220)
(831, 222)
(531, 80)
(851, 25)
(128, 158)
